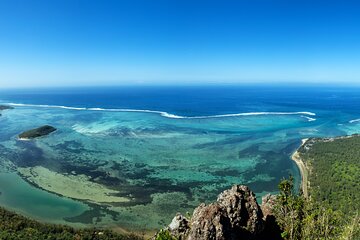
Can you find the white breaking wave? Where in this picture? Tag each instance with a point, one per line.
(166, 114)
(309, 118)
(44, 106)
(354, 121)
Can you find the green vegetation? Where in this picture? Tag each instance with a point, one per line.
(37, 132)
(301, 218)
(332, 210)
(289, 209)
(16, 227)
(334, 171)
(164, 235)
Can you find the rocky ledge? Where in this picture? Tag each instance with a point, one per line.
(37, 132)
(235, 215)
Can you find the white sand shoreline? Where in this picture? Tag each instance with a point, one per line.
(302, 168)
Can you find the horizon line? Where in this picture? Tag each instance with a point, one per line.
(187, 84)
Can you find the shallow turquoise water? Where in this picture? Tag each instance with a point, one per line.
(165, 164)
(18, 195)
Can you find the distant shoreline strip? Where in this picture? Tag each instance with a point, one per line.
(302, 168)
(166, 114)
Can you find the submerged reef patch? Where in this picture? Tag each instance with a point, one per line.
(72, 186)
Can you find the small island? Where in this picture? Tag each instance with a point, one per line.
(37, 132)
(5, 107)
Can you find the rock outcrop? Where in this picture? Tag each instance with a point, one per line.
(272, 230)
(235, 215)
(179, 226)
(267, 205)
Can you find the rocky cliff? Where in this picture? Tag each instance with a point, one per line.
(235, 215)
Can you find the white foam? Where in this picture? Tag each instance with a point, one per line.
(45, 106)
(71, 108)
(255, 114)
(94, 128)
(309, 118)
(166, 114)
(354, 121)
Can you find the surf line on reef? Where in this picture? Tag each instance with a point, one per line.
(163, 113)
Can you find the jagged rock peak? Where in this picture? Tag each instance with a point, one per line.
(235, 215)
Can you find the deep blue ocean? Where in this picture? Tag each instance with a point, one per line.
(132, 157)
(196, 100)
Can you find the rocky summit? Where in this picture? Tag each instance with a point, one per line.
(235, 215)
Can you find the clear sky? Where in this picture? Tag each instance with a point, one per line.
(87, 42)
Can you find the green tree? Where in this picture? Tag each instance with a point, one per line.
(288, 210)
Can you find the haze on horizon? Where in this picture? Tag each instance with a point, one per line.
(88, 42)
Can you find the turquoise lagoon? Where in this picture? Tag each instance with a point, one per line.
(156, 162)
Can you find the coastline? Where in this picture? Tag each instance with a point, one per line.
(302, 168)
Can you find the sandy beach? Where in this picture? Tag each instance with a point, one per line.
(303, 170)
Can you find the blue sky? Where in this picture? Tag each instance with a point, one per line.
(87, 42)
